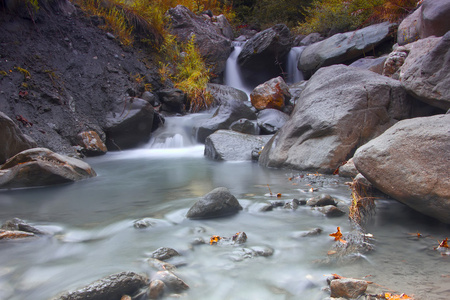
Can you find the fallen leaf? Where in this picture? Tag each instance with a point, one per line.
(442, 244)
(338, 235)
(389, 296)
(279, 195)
(214, 239)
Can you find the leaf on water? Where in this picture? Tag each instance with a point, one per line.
(338, 235)
(389, 296)
(442, 244)
(279, 195)
(214, 239)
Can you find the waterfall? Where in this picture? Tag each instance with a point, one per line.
(293, 73)
(233, 76)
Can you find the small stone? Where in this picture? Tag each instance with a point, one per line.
(322, 200)
(164, 253)
(125, 297)
(262, 251)
(348, 288)
(172, 281)
(110, 36)
(156, 289)
(160, 265)
(331, 211)
(301, 234)
(240, 238)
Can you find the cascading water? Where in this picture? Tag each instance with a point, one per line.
(233, 76)
(294, 75)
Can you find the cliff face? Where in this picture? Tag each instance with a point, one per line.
(60, 74)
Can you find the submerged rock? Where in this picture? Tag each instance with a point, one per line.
(348, 288)
(17, 224)
(217, 203)
(41, 167)
(111, 287)
(164, 253)
(171, 281)
(410, 163)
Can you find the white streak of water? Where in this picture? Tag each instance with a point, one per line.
(233, 75)
(293, 73)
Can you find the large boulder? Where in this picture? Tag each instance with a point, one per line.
(41, 167)
(370, 63)
(261, 55)
(340, 109)
(225, 115)
(12, 139)
(408, 30)
(428, 77)
(225, 28)
(343, 47)
(233, 146)
(410, 163)
(271, 94)
(129, 124)
(434, 18)
(213, 46)
(172, 100)
(111, 287)
(223, 93)
(217, 203)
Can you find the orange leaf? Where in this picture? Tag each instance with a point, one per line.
(214, 239)
(338, 235)
(389, 296)
(279, 195)
(442, 244)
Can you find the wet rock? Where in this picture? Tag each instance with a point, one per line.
(271, 94)
(151, 98)
(160, 265)
(217, 203)
(213, 46)
(16, 234)
(164, 253)
(156, 289)
(129, 124)
(302, 234)
(428, 77)
(343, 47)
(245, 126)
(230, 145)
(20, 225)
(348, 288)
(271, 120)
(341, 108)
(348, 169)
(41, 167)
(331, 211)
(261, 54)
(409, 162)
(172, 100)
(13, 140)
(111, 287)
(150, 222)
(92, 143)
(434, 18)
(225, 115)
(246, 253)
(322, 200)
(292, 205)
(223, 93)
(171, 281)
(370, 63)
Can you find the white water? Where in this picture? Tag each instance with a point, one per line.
(233, 75)
(294, 75)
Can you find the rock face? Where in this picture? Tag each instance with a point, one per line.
(12, 139)
(213, 46)
(434, 18)
(428, 77)
(129, 124)
(222, 93)
(410, 163)
(233, 146)
(217, 203)
(41, 167)
(340, 109)
(226, 114)
(271, 94)
(343, 47)
(111, 287)
(261, 55)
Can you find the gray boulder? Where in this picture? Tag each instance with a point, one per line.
(111, 287)
(41, 167)
(311, 39)
(129, 124)
(12, 139)
(343, 47)
(348, 169)
(233, 146)
(225, 28)
(408, 30)
(434, 18)
(245, 126)
(225, 115)
(217, 203)
(271, 120)
(172, 100)
(410, 163)
(370, 63)
(428, 77)
(213, 46)
(340, 109)
(222, 93)
(260, 55)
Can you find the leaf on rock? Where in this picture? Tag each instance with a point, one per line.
(442, 244)
(214, 239)
(338, 236)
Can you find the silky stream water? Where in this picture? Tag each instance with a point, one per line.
(92, 232)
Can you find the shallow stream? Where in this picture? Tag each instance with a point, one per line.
(93, 234)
